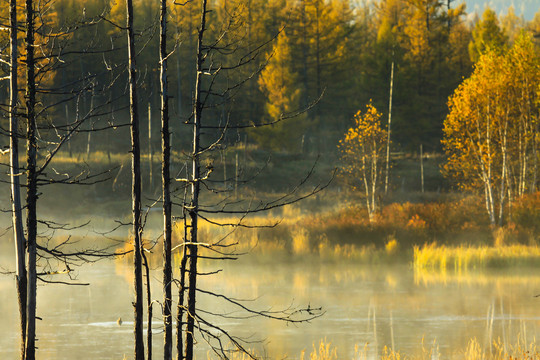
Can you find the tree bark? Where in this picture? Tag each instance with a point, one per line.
(180, 310)
(150, 152)
(31, 196)
(195, 188)
(422, 168)
(148, 307)
(387, 175)
(136, 187)
(16, 208)
(166, 181)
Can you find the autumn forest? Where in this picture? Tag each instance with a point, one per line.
(306, 134)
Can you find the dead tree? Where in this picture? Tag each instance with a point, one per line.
(16, 208)
(193, 207)
(136, 185)
(45, 139)
(166, 183)
(31, 182)
(207, 96)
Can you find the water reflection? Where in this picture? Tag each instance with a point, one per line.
(368, 307)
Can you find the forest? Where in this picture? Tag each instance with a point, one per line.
(261, 128)
(336, 53)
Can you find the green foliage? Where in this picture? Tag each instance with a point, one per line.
(487, 35)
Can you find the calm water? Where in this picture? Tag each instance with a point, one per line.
(365, 306)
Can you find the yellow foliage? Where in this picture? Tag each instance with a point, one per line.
(491, 107)
(490, 133)
(391, 247)
(362, 155)
(300, 240)
(281, 87)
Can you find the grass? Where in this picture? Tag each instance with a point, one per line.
(449, 235)
(473, 351)
(520, 350)
(464, 258)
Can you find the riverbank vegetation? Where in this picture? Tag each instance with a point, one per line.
(473, 351)
(453, 233)
(325, 350)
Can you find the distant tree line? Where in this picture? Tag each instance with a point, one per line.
(335, 52)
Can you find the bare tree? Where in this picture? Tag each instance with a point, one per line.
(45, 138)
(17, 218)
(166, 181)
(209, 95)
(193, 208)
(31, 182)
(136, 186)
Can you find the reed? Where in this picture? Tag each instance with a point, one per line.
(322, 351)
(401, 232)
(464, 258)
(472, 351)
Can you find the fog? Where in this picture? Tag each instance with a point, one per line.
(364, 306)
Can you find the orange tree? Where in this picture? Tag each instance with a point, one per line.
(363, 156)
(491, 132)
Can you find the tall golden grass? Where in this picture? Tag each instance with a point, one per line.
(520, 350)
(463, 258)
(473, 351)
(347, 232)
(405, 231)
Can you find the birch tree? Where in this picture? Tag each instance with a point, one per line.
(491, 131)
(363, 156)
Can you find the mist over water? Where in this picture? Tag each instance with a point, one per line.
(368, 306)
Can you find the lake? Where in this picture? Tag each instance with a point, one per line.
(364, 306)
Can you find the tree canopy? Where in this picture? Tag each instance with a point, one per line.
(491, 132)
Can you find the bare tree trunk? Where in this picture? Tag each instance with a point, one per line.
(148, 307)
(91, 127)
(66, 112)
(504, 173)
(491, 209)
(166, 181)
(374, 165)
(366, 188)
(180, 310)
(318, 53)
(389, 129)
(305, 53)
(150, 152)
(31, 197)
(136, 188)
(422, 168)
(486, 165)
(535, 158)
(195, 188)
(16, 208)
